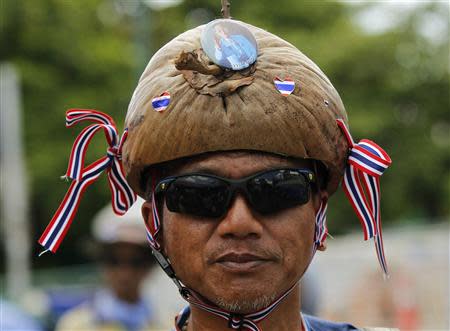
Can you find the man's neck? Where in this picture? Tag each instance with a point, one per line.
(285, 317)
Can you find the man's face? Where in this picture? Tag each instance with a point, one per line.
(245, 260)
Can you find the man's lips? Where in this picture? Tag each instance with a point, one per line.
(241, 262)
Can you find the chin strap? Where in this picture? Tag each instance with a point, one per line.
(237, 321)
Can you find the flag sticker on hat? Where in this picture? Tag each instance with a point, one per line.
(286, 86)
(162, 102)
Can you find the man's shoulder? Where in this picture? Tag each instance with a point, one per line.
(317, 324)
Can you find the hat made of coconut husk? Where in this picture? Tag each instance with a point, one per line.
(209, 108)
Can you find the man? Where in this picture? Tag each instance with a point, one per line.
(123, 256)
(237, 168)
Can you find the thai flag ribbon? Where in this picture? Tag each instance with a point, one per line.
(321, 230)
(366, 163)
(235, 321)
(122, 194)
(153, 227)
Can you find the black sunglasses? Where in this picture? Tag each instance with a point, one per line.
(206, 195)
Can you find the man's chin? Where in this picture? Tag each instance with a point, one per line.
(244, 305)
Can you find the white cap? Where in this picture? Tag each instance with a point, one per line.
(109, 228)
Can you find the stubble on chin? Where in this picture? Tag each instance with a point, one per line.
(245, 305)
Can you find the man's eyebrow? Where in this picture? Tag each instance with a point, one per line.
(200, 169)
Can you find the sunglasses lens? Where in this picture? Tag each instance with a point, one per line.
(277, 190)
(198, 195)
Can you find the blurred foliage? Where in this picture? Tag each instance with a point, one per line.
(88, 53)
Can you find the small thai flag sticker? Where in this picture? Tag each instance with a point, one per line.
(285, 87)
(162, 102)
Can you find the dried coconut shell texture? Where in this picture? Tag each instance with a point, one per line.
(225, 111)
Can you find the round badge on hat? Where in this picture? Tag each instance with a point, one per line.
(229, 44)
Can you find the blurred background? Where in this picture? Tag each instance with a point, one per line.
(390, 63)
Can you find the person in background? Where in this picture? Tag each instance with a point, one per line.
(125, 262)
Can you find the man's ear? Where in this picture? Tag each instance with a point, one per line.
(146, 211)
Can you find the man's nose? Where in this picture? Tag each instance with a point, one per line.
(240, 222)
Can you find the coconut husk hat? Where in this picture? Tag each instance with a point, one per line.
(281, 103)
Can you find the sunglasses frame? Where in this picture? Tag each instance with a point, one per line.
(235, 185)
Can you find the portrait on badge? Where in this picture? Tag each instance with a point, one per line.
(229, 44)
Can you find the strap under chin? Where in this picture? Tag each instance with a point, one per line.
(238, 321)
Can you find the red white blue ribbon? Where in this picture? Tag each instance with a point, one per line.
(366, 163)
(182, 318)
(237, 321)
(321, 230)
(153, 227)
(122, 194)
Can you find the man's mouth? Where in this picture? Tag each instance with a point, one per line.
(241, 262)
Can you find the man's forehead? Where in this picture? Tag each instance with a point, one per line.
(237, 163)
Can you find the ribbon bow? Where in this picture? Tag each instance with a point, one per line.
(122, 194)
(366, 163)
